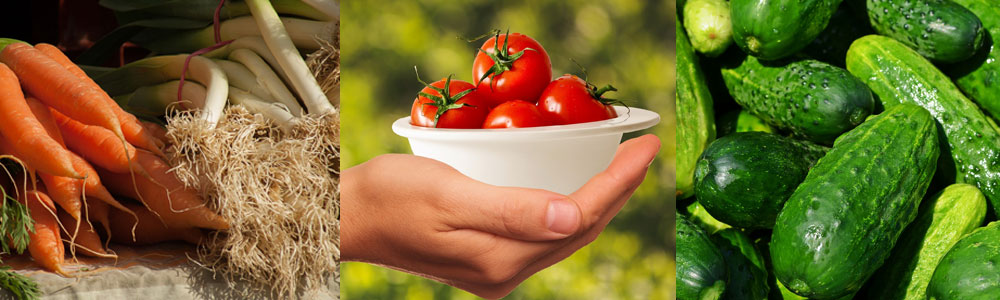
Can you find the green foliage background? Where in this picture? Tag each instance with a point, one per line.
(628, 43)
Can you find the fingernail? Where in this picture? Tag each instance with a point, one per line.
(563, 217)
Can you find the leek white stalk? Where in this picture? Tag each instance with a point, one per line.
(327, 7)
(274, 111)
(281, 45)
(154, 100)
(241, 78)
(267, 78)
(159, 69)
(255, 44)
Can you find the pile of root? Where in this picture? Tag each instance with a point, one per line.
(278, 190)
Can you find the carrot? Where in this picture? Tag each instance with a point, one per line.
(41, 112)
(97, 211)
(92, 185)
(45, 245)
(148, 230)
(25, 134)
(64, 191)
(87, 240)
(156, 130)
(44, 78)
(98, 145)
(177, 206)
(134, 131)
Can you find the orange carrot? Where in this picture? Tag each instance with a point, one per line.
(156, 130)
(98, 145)
(134, 131)
(41, 112)
(177, 206)
(45, 79)
(87, 240)
(93, 186)
(25, 134)
(97, 212)
(46, 244)
(149, 230)
(64, 191)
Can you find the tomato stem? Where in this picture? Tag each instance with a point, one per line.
(502, 59)
(445, 101)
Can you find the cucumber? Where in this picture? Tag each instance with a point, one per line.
(701, 269)
(897, 74)
(941, 222)
(841, 223)
(979, 77)
(740, 121)
(971, 269)
(708, 26)
(940, 30)
(774, 29)
(696, 126)
(831, 44)
(703, 219)
(812, 99)
(747, 273)
(743, 179)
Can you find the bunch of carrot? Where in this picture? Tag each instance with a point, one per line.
(79, 148)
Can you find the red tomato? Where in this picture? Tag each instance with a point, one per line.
(515, 114)
(463, 107)
(511, 67)
(571, 100)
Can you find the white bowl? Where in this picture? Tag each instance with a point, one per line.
(557, 158)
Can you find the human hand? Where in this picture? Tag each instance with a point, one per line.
(421, 216)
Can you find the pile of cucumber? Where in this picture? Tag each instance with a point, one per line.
(838, 149)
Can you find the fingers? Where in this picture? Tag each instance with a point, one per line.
(515, 213)
(609, 190)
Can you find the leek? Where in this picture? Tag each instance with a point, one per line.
(281, 45)
(151, 102)
(304, 34)
(241, 78)
(267, 78)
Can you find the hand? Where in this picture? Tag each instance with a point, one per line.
(421, 216)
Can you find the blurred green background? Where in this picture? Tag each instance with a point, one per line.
(628, 43)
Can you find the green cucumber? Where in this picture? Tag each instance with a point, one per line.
(831, 44)
(940, 30)
(971, 269)
(696, 124)
(744, 178)
(897, 74)
(747, 273)
(701, 269)
(841, 223)
(740, 121)
(941, 222)
(812, 99)
(979, 77)
(703, 219)
(708, 26)
(774, 29)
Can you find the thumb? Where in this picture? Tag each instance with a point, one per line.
(518, 213)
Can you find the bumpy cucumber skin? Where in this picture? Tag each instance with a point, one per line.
(813, 99)
(774, 29)
(708, 26)
(747, 273)
(979, 77)
(695, 118)
(897, 74)
(843, 220)
(940, 30)
(744, 178)
(941, 221)
(971, 269)
(701, 269)
(831, 44)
